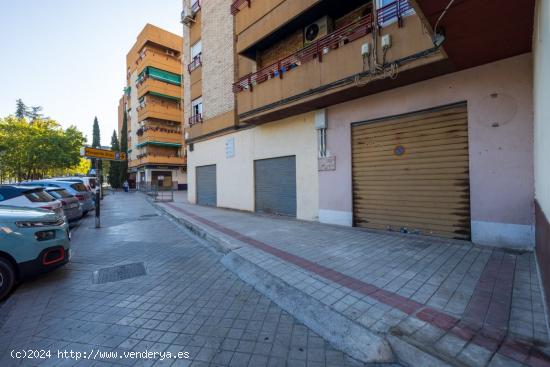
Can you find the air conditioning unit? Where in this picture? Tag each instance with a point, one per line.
(187, 16)
(317, 30)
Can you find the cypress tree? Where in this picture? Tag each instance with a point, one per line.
(114, 167)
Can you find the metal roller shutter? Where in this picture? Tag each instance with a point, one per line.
(411, 173)
(206, 185)
(275, 185)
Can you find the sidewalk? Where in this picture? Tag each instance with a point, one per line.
(377, 296)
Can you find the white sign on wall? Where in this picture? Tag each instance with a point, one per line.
(230, 148)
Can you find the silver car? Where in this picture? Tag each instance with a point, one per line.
(71, 205)
(77, 189)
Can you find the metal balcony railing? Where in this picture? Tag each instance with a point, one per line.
(196, 6)
(235, 7)
(197, 61)
(316, 50)
(195, 119)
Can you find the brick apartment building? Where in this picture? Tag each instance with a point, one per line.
(405, 116)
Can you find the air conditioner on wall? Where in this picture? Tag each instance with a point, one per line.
(317, 30)
(187, 16)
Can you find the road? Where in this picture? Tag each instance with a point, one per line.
(186, 303)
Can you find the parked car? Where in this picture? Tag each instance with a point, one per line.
(30, 197)
(89, 182)
(77, 189)
(70, 204)
(32, 241)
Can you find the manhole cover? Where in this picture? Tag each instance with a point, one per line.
(120, 272)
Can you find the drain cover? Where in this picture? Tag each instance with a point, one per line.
(147, 216)
(120, 272)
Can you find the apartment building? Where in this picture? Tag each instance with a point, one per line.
(153, 102)
(388, 115)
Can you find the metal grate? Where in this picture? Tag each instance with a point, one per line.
(117, 273)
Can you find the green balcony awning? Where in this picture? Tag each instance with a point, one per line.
(163, 76)
(159, 144)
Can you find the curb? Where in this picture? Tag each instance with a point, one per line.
(342, 332)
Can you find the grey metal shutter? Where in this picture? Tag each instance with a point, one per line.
(275, 185)
(206, 185)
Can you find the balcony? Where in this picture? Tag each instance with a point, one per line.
(235, 7)
(166, 61)
(147, 158)
(153, 86)
(158, 134)
(195, 119)
(333, 70)
(197, 62)
(168, 111)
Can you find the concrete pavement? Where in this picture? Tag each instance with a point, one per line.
(435, 302)
(102, 303)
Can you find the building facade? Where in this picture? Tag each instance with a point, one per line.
(398, 116)
(154, 106)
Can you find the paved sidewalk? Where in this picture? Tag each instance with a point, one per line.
(186, 302)
(451, 302)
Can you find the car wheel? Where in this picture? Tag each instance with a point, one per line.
(7, 278)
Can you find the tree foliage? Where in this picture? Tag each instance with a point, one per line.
(33, 150)
(20, 109)
(114, 167)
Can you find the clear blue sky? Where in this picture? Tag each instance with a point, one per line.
(69, 56)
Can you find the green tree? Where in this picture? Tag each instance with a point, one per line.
(37, 149)
(21, 109)
(124, 149)
(35, 113)
(114, 167)
(96, 141)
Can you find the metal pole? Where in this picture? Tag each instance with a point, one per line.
(97, 196)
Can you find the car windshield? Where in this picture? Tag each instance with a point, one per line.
(92, 182)
(79, 187)
(39, 196)
(59, 193)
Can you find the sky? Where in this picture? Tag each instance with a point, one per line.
(69, 56)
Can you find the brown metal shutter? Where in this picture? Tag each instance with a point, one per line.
(410, 173)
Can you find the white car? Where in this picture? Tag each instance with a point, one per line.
(29, 197)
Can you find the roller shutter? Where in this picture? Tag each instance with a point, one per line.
(411, 173)
(275, 185)
(206, 185)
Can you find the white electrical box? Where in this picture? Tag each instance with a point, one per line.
(365, 49)
(320, 119)
(386, 41)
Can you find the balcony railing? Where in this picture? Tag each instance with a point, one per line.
(197, 61)
(196, 6)
(236, 6)
(195, 119)
(322, 46)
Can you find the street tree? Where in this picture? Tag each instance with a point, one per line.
(96, 141)
(38, 149)
(114, 167)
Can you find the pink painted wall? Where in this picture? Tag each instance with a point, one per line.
(501, 158)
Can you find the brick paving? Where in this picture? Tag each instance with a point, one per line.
(187, 302)
(460, 302)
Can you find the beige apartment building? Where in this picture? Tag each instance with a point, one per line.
(153, 103)
(399, 115)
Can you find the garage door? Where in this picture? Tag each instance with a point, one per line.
(275, 185)
(411, 173)
(206, 185)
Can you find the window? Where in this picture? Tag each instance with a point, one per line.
(196, 107)
(196, 49)
(39, 196)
